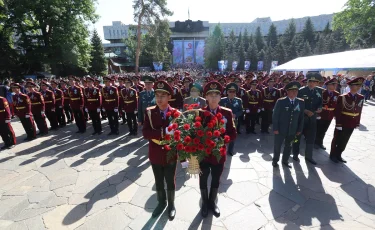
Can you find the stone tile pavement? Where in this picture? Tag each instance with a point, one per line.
(74, 181)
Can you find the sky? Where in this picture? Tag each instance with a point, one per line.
(220, 10)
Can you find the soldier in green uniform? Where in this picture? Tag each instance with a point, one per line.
(287, 120)
(146, 98)
(313, 106)
(235, 104)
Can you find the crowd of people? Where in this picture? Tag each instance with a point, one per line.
(290, 106)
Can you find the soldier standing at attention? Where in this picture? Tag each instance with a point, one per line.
(37, 108)
(68, 110)
(146, 98)
(129, 100)
(185, 90)
(93, 102)
(22, 109)
(6, 129)
(195, 92)
(176, 100)
(241, 93)
(154, 129)
(287, 120)
(77, 101)
(348, 117)
(50, 101)
(137, 85)
(269, 95)
(110, 105)
(235, 105)
(330, 97)
(313, 106)
(252, 109)
(59, 97)
(119, 88)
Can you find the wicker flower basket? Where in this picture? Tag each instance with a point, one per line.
(194, 167)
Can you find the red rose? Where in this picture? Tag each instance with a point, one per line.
(223, 151)
(167, 137)
(222, 130)
(168, 114)
(197, 124)
(179, 146)
(226, 139)
(186, 126)
(167, 147)
(195, 105)
(170, 128)
(200, 133)
(174, 126)
(187, 149)
(209, 134)
(219, 115)
(198, 119)
(196, 141)
(177, 133)
(190, 107)
(186, 105)
(176, 114)
(212, 144)
(187, 139)
(208, 151)
(200, 147)
(222, 122)
(217, 133)
(210, 125)
(214, 120)
(207, 113)
(193, 149)
(177, 137)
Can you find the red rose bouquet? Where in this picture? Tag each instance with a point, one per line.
(196, 134)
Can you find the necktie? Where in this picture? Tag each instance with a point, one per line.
(162, 115)
(292, 101)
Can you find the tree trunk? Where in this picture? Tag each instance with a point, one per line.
(138, 50)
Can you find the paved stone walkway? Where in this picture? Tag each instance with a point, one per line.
(74, 181)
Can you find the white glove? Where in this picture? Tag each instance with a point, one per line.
(167, 132)
(339, 128)
(318, 118)
(247, 111)
(258, 110)
(98, 110)
(123, 111)
(103, 109)
(60, 107)
(53, 110)
(42, 113)
(262, 109)
(86, 110)
(185, 164)
(7, 121)
(27, 116)
(135, 112)
(116, 110)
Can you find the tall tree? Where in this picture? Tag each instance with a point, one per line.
(252, 55)
(357, 21)
(320, 45)
(272, 36)
(97, 63)
(280, 53)
(308, 32)
(214, 48)
(327, 29)
(329, 46)
(241, 56)
(147, 12)
(306, 50)
(268, 58)
(259, 38)
(246, 40)
(231, 51)
(290, 32)
(292, 51)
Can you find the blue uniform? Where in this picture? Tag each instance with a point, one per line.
(146, 99)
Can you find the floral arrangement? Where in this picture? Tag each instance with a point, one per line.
(195, 133)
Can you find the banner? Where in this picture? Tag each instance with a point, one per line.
(247, 65)
(158, 66)
(225, 64)
(221, 65)
(199, 52)
(177, 52)
(234, 65)
(260, 65)
(188, 51)
(274, 64)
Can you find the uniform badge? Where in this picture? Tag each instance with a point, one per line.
(318, 94)
(360, 103)
(335, 98)
(242, 93)
(75, 91)
(110, 92)
(131, 93)
(287, 108)
(94, 93)
(235, 104)
(274, 93)
(297, 108)
(225, 121)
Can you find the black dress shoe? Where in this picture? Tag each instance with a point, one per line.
(10, 146)
(117, 132)
(109, 134)
(100, 132)
(253, 132)
(239, 132)
(322, 147)
(341, 160)
(275, 164)
(94, 133)
(4, 147)
(316, 146)
(334, 159)
(231, 154)
(79, 131)
(287, 164)
(311, 161)
(296, 159)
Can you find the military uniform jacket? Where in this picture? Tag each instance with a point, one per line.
(22, 105)
(154, 130)
(269, 96)
(138, 88)
(4, 110)
(49, 99)
(283, 92)
(77, 99)
(66, 96)
(329, 104)
(312, 98)
(279, 85)
(185, 92)
(246, 86)
(243, 95)
(255, 101)
(59, 97)
(199, 100)
(37, 102)
(110, 98)
(176, 99)
(93, 98)
(235, 105)
(129, 100)
(349, 110)
(288, 119)
(146, 99)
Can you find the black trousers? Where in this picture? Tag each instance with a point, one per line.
(167, 173)
(40, 121)
(339, 141)
(309, 131)
(29, 126)
(278, 142)
(124, 117)
(95, 119)
(51, 115)
(80, 119)
(239, 122)
(7, 134)
(321, 129)
(60, 116)
(250, 121)
(266, 119)
(113, 120)
(131, 119)
(216, 171)
(69, 113)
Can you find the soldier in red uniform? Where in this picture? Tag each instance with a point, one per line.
(119, 88)
(137, 85)
(77, 101)
(154, 129)
(185, 90)
(22, 109)
(129, 105)
(110, 105)
(269, 95)
(50, 101)
(93, 102)
(248, 79)
(176, 100)
(329, 98)
(6, 129)
(68, 110)
(59, 97)
(283, 92)
(253, 107)
(348, 116)
(37, 108)
(241, 93)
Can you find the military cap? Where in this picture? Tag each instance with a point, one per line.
(44, 83)
(106, 78)
(205, 79)
(294, 85)
(232, 76)
(314, 76)
(232, 86)
(127, 80)
(286, 80)
(304, 80)
(31, 84)
(213, 86)
(169, 79)
(136, 77)
(238, 80)
(187, 79)
(63, 82)
(250, 76)
(187, 74)
(55, 82)
(356, 81)
(163, 86)
(271, 79)
(15, 85)
(222, 81)
(332, 81)
(148, 79)
(254, 82)
(29, 79)
(195, 86)
(300, 77)
(89, 79)
(71, 77)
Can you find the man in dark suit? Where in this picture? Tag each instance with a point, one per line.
(287, 120)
